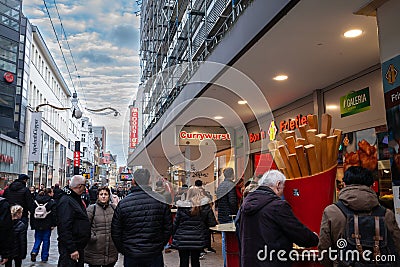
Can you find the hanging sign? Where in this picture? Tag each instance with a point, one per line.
(35, 141)
(355, 102)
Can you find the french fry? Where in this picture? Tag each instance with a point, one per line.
(331, 149)
(326, 123)
(338, 133)
(282, 151)
(312, 159)
(301, 142)
(312, 121)
(323, 151)
(295, 165)
(290, 141)
(303, 163)
(284, 171)
(303, 131)
(291, 133)
(277, 158)
(312, 138)
(283, 134)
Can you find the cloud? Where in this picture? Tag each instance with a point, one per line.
(125, 35)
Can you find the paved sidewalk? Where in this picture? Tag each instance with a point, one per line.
(171, 259)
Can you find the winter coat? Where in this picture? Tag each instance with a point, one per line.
(141, 224)
(57, 193)
(51, 218)
(19, 246)
(191, 232)
(101, 249)
(6, 228)
(18, 193)
(267, 221)
(357, 198)
(73, 224)
(227, 203)
(93, 194)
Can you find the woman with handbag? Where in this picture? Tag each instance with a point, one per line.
(101, 250)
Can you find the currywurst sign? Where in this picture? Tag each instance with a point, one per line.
(202, 135)
(355, 102)
(35, 141)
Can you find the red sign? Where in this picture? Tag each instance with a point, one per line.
(133, 127)
(6, 159)
(9, 77)
(292, 124)
(77, 158)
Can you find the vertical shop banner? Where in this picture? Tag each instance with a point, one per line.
(133, 127)
(391, 89)
(35, 133)
(355, 102)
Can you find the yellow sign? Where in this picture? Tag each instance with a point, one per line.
(391, 74)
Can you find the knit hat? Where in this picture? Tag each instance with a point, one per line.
(23, 177)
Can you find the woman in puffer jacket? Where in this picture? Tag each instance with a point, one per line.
(190, 229)
(101, 250)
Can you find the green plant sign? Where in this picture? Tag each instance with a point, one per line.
(355, 102)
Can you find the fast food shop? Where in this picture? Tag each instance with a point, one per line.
(289, 118)
(357, 107)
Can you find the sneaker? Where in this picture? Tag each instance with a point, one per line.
(33, 257)
(44, 261)
(202, 256)
(208, 250)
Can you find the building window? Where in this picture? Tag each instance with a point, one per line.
(83, 139)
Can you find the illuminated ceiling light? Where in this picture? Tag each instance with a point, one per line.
(242, 102)
(218, 117)
(353, 33)
(332, 107)
(280, 77)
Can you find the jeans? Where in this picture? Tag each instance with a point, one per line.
(156, 261)
(224, 247)
(42, 236)
(184, 258)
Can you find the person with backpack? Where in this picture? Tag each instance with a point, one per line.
(43, 221)
(101, 251)
(357, 218)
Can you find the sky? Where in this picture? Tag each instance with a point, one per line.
(104, 39)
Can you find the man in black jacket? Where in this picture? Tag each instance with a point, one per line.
(141, 225)
(268, 227)
(227, 203)
(18, 194)
(73, 224)
(6, 231)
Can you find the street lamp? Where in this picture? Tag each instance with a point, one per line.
(76, 112)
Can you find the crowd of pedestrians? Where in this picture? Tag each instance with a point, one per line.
(95, 224)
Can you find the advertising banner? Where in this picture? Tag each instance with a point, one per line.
(133, 127)
(35, 133)
(355, 102)
(391, 89)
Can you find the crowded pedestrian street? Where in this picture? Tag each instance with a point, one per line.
(171, 258)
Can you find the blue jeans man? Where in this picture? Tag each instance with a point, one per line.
(42, 236)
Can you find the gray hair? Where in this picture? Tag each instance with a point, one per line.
(76, 180)
(271, 177)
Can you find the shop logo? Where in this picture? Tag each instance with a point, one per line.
(391, 74)
(272, 130)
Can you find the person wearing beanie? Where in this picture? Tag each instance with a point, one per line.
(358, 196)
(18, 194)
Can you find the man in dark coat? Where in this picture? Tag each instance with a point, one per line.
(57, 192)
(18, 193)
(141, 225)
(73, 224)
(6, 231)
(93, 193)
(227, 203)
(267, 223)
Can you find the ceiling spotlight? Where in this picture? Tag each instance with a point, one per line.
(353, 33)
(242, 102)
(280, 77)
(218, 117)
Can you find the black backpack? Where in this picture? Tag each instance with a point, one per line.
(366, 241)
